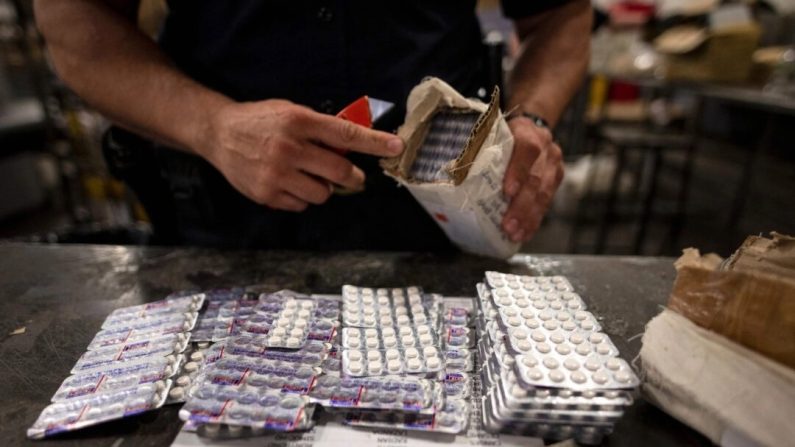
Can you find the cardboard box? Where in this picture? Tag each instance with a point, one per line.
(469, 207)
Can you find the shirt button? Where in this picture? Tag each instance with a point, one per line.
(325, 15)
(327, 106)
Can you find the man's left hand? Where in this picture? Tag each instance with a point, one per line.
(531, 179)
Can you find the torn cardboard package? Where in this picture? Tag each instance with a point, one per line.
(457, 150)
(721, 357)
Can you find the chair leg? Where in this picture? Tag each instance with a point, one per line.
(608, 213)
(647, 204)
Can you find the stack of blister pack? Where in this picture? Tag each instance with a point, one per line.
(405, 361)
(547, 370)
(127, 368)
(270, 355)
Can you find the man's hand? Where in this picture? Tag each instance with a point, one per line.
(531, 179)
(278, 153)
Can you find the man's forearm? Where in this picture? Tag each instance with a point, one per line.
(553, 59)
(101, 55)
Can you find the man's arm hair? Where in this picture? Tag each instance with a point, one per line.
(98, 51)
(553, 59)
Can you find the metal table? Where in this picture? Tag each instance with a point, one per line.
(61, 294)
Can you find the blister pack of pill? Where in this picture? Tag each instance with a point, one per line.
(167, 346)
(130, 332)
(253, 407)
(547, 370)
(368, 307)
(400, 393)
(72, 414)
(116, 377)
(452, 417)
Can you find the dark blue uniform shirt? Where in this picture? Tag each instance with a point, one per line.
(322, 54)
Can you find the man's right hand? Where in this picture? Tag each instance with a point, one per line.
(278, 153)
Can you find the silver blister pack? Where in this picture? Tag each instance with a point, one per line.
(255, 347)
(81, 412)
(367, 307)
(403, 393)
(359, 363)
(168, 345)
(129, 375)
(453, 417)
(459, 360)
(290, 327)
(188, 303)
(255, 407)
(401, 337)
(457, 385)
(128, 333)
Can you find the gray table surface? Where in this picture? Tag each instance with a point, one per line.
(61, 294)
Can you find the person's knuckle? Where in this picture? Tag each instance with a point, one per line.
(348, 131)
(340, 171)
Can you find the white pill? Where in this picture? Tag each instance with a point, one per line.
(571, 364)
(297, 332)
(284, 322)
(191, 367)
(293, 342)
(303, 313)
(371, 342)
(414, 363)
(374, 367)
(423, 329)
(354, 342)
(600, 378)
(420, 319)
(369, 321)
(355, 367)
(613, 364)
(529, 361)
(426, 339)
(354, 355)
(535, 374)
(389, 342)
(417, 308)
(183, 381)
(514, 321)
(596, 338)
(521, 303)
(429, 351)
(563, 316)
(532, 323)
(370, 332)
(433, 362)
(197, 356)
(300, 323)
(545, 315)
(576, 339)
(400, 311)
(392, 354)
(519, 334)
(524, 345)
(385, 312)
(528, 313)
(407, 340)
(514, 285)
(578, 377)
(373, 355)
(505, 301)
(592, 364)
(382, 291)
(581, 315)
(518, 392)
(393, 365)
(510, 312)
(574, 305)
(622, 376)
(388, 331)
(568, 325)
(543, 348)
(550, 325)
(367, 300)
(386, 320)
(402, 319)
(551, 363)
(557, 337)
(563, 349)
(583, 349)
(502, 293)
(603, 349)
(383, 301)
(404, 330)
(540, 304)
(412, 353)
(556, 376)
(538, 335)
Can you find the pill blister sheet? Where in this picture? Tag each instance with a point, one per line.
(453, 417)
(169, 345)
(403, 393)
(189, 303)
(367, 307)
(401, 337)
(373, 362)
(81, 412)
(144, 331)
(257, 407)
(244, 346)
(290, 327)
